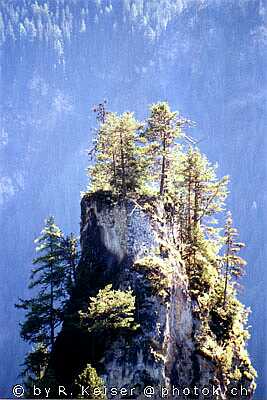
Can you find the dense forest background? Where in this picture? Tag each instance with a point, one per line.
(58, 58)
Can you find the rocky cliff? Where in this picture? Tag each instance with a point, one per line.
(161, 351)
(124, 246)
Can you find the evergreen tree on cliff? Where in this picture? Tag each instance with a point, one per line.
(233, 264)
(120, 166)
(164, 127)
(44, 310)
(202, 192)
(69, 258)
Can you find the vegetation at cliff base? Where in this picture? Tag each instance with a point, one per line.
(91, 382)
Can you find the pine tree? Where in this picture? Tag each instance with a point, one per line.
(110, 309)
(44, 310)
(200, 260)
(53, 279)
(201, 192)
(90, 380)
(119, 163)
(164, 127)
(70, 258)
(34, 364)
(233, 264)
(101, 112)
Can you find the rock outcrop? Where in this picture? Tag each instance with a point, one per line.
(116, 238)
(161, 352)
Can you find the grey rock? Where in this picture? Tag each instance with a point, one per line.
(162, 353)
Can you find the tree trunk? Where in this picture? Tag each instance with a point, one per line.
(124, 192)
(52, 326)
(114, 170)
(163, 167)
(189, 207)
(226, 273)
(196, 202)
(74, 273)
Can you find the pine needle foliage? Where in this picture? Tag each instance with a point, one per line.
(89, 382)
(70, 256)
(44, 310)
(198, 195)
(110, 310)
(163, 129)
(120, 166)
(52, 279)
(35, 364)
(180, 190)
(233, 264)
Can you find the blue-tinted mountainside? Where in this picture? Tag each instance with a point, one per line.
(58, 58)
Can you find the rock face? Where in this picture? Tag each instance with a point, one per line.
(162, 353)
(116, 239)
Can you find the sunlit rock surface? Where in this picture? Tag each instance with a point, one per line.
(115, 235)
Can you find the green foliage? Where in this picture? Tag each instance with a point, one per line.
(222, 334)
(133, 157)
(232, 264)
(222, 338)
(46, 379)
(110, 310)
(90, 381)
(158, 272)
(197, 194)
(163, 128)
(184, 184)
(44, 311)
(35, 363)
(183, 196)
(208, 192)
(70, 258)
(200, 262)
(52, 278)
(120, 165)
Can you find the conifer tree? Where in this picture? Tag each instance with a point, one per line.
(43, 311)
(70, 258)
(233, 264)
(101, 112)
(164, 127)
(90, 380)
(34, 364)
(200, 190)
(119, 163)
(53, 279)
(110, 309)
